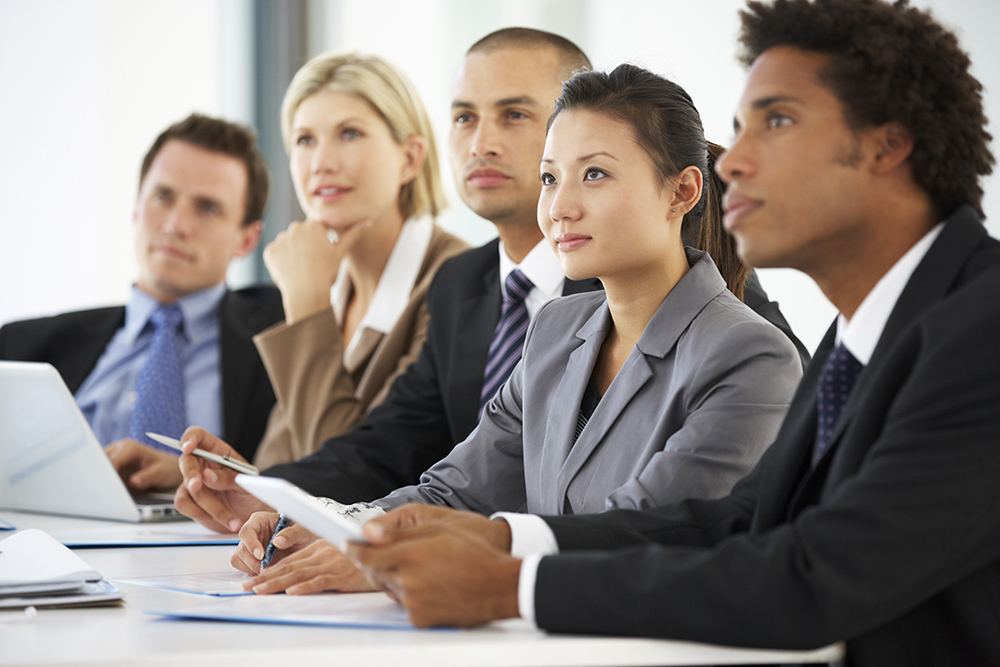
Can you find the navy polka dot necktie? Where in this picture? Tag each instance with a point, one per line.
(508, 337)
(835, 383)
(160, 406)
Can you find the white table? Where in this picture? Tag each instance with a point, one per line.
(126, 635)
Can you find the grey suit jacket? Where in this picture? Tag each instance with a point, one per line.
(690, 412)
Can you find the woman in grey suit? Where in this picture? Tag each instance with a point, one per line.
(663, 387)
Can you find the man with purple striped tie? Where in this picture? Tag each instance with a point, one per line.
(503, 94)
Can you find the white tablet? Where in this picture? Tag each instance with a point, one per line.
(321, 520)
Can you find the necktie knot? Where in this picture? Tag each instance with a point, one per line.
(517, 285)
(167, 317)
(832, 391)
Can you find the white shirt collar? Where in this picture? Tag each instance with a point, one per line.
(860, 334)
(392, 293)
(542, 269)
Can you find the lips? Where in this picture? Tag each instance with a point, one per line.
(569, 242)
(738, 207)
(487, 177)
(330, 192)
(172, 252)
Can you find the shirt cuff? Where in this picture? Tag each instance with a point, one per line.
(526, 587)
(529, 534)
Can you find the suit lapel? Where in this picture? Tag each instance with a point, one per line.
(793, 448)
(477, 318)
(362, 352)
(930, 282)
(686, 300)
(559, 452)
(236, 340)
(87, 345)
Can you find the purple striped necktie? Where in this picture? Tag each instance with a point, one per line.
(508, 337)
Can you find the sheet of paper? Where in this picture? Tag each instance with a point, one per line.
(90, 594)
(34, 557)
(347, 610)
(220, 584)
(183, 533)
(6, 526)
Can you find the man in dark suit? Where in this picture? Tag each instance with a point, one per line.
(874, 518)
(503, 95)
(202, 191)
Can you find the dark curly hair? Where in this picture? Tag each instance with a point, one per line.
(668, 127)
(891, 63)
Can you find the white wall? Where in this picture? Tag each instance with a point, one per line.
(87, 84)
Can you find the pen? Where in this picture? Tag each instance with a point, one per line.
(269, 551)
(238, 466)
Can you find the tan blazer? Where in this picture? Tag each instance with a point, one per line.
(320, 393)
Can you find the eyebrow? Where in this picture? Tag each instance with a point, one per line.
(765, 102)
(583, 158)
(522, 100)
(347, 121)
(203, 199)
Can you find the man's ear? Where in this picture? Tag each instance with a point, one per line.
(250, 236)
(893, 147)
(414, 153)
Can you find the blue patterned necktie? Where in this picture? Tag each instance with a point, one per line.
(508, 337)
(835, 383)
(159, 405)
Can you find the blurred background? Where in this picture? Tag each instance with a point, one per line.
(86, 85)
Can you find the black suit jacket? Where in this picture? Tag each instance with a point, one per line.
(435, 403)
(73, 343)
(892, 542)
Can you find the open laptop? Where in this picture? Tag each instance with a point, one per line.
(50, 460)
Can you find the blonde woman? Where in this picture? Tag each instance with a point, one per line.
(353, 275)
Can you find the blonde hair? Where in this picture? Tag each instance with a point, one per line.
(393, 97)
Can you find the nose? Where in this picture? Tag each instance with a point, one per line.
(563, 203)
(735, 162)
(177, 222)
(485, 141)
(325, 157)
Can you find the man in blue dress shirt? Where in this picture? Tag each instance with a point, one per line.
(202, 190)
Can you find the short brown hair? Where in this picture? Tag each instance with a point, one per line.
(220, 136)
(572, 56)
(891, 63)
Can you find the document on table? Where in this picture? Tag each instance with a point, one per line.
(36, 570)
(6, 526)
(143, 535)
(218, 584)
(345, 610)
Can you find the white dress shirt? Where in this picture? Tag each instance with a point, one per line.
(531, 537)
(542, 268)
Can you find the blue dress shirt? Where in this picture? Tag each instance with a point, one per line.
(107, 396)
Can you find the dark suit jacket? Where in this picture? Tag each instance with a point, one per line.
(435, 403)
(73, 343)
(892, 542)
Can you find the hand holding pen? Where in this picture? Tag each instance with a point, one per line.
(209, 493)
(269, 551)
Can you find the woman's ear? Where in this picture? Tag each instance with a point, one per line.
(414, 154)
(686, 191)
